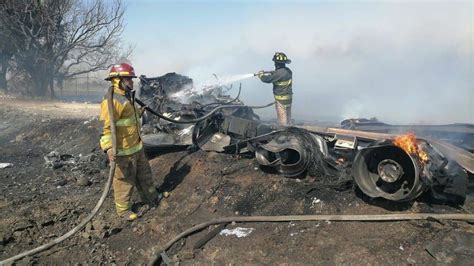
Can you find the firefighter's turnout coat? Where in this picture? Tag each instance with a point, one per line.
(126, 121)
(282, 79)
(132, 167)
(282, 84)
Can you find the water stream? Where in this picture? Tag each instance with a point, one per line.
(209, 85)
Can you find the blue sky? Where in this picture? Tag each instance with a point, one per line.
(400, 61)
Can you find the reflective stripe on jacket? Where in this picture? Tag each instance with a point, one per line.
(283, 97)
(282, 79)
(127, 124)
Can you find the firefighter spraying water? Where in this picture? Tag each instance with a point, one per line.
(282, 81)
(281, 78)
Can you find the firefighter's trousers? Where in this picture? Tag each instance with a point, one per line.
(132, 171)
(283, 109)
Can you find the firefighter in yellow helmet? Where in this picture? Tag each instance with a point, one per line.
(282, 81)
(132, 167)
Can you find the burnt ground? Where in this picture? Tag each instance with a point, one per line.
(39, 203)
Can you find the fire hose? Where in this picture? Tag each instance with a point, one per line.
(161, 254)
(112, 171)
(72, 231)
(386, 217)
(97, 206)
(192, 121)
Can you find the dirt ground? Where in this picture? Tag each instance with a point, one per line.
(41, 201)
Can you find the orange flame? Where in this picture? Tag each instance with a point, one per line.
(408, 143)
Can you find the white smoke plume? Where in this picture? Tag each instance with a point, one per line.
(207, 86)
(397, 61)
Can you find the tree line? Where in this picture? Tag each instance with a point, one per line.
(45, 42)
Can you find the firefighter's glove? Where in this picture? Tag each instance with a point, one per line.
(111, 155)
(260, 73)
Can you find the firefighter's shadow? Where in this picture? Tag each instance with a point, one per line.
(176, 175)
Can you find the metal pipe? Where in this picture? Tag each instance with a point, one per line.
(289, 218)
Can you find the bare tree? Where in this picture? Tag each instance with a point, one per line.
(6, 53)
(7, 50)
(58, 39)
(95, 43)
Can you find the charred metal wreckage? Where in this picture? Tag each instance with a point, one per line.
(394, 167)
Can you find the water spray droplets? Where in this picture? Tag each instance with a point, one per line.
(207, 86)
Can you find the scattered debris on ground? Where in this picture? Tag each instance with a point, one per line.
(39, 203)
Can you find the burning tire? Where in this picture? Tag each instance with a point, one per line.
(387, 171)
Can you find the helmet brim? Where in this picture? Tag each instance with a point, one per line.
(110, 78)
(287, 61)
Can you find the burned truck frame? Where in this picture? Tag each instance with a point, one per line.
(394, 167)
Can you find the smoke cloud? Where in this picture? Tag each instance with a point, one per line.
(400, 62)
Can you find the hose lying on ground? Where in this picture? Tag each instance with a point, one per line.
(340, 217)
(112, 171)
(97, 206)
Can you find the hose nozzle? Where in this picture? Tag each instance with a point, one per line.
(262, 73)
